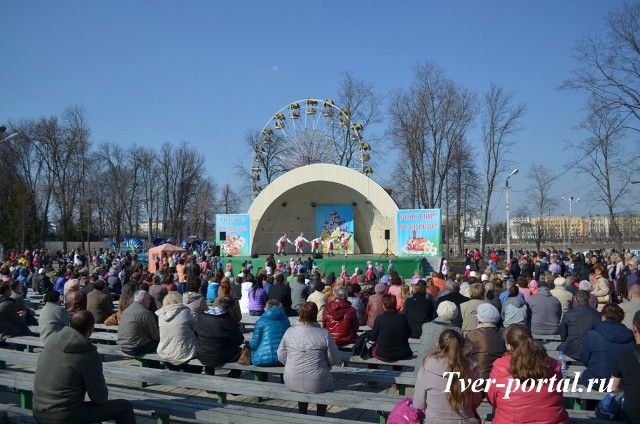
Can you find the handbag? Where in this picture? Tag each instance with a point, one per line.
(244, 356)
(360, 346)
(604, 299)
(405, 413)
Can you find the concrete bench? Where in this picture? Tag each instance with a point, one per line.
(18, 415)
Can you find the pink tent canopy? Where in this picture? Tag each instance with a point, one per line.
(164, 249)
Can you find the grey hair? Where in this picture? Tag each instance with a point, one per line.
(140, 295)
(452, 286)
(489, 287)
(341, 294)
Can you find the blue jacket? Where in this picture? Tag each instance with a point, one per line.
(267, 334)
(601, 347)
(212, 291)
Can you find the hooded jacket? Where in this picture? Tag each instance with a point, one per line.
(195, 302)
(78, 371)
(53, 318)
(178, 342)
(244, 299)
(546, 311)
(257, 299)
(515, 311)
(267, 334)
(602, 346)
(574, 327)
(212, 291)
(430, 393)
(219, 337)
(533, 407)
(308, 352)
(341, 320)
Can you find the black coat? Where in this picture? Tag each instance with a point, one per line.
(418, 310)
(391, 333)
(282, 293)
(219, 339)
(574, 327)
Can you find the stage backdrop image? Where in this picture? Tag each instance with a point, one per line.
(237, 229)
(335, 222)
(419, 232)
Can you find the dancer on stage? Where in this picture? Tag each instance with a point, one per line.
(280, 244)
(315, 243)
(299, 243)
(345, 243)
(331, 242)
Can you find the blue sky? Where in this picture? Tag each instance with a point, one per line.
(206, 72)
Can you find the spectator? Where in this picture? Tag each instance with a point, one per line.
(418, 309)
(23, 306)
(98, 302)
(340, 319)
(355, 298)
(224, 291)
(601, 290)
(514, 309)
(257, 299)
(60, 390)
(157, 291)
(192, 298)
(267, 335)
(454, 296)
(308, 352)
(281, 292)
(505, 294)
(588, 287)
(395, 288)
(442, 405)
(299, 292)
(575, 325)
(545, 311)
(470, 307)
(524, 360)
(319, 298)
(559, 292)
(523, 287)
(604, 342)
(123, 302)
(178, 343)
(219, 337)
(138, 332)
(390, 333)
(490, 294)
(432, 289)
(486, 342)
(212, 290)
(626, 375)
(446, 312)
(245, 288)
(374, 306)
(632, 306)
(75, 300)
(53, 316)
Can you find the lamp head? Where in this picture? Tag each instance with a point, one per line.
(514, 172)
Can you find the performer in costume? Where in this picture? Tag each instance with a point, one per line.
(299, 243)
(315, 243)
(281, 243)
(344, 274)
(345, 243)
(331, 242)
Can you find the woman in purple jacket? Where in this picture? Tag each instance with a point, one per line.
(257, 298)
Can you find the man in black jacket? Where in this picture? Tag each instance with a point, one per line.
(575, 325)
(455, 297)
(282, 293)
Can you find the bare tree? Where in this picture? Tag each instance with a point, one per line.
(363, 103)
(500, 122)
(201, 214)
(428, 121)
(145, 160)
(466, 197)
(612, 158)
(541, 201)
(608, 65)
(229, 201)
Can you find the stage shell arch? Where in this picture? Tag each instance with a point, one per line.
(287, 205)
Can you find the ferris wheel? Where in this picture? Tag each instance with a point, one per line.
(305, 132)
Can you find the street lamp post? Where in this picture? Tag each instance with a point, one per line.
(571, 201)
(506, 190)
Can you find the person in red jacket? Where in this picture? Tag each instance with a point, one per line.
(524, 360)
(341, 319)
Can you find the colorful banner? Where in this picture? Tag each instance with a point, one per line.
(419, 232)
(237, 228)
(335, 222)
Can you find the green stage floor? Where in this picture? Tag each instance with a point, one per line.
(404, 266)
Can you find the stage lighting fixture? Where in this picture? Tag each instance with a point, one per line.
(313, 204)
(284, 204)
